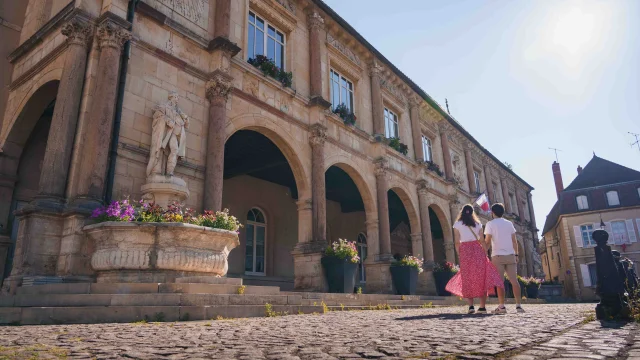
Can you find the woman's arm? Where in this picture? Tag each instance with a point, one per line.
(456, 240)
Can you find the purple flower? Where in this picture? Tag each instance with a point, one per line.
(97, 212)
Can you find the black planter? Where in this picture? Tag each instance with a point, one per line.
(405, 279)
(340, 273)
(508, 289)
(532, 291)
(442, 278)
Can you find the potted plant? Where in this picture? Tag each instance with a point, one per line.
(397, 145)
(435, 168)
(442, 273)
(269, 68)
(533, 287)
(345, 114)
(340, 263)
(404, 273)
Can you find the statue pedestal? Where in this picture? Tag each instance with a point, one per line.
(164, 190)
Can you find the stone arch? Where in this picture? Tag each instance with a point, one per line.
(355, 172)
(282, 139)
(447, 233)
(409, 206)
(38, 98)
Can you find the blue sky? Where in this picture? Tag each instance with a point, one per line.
(521, 76)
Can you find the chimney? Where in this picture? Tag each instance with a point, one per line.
(579, 169)
(557, 178)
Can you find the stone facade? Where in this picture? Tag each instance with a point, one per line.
(199, 49)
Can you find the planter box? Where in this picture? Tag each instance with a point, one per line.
(442, 278)
(340, 273)
(405, 279)
(532, 291)
(551, 292)
(158, 252)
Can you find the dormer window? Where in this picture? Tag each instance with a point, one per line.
(612, 198)
(582, 202)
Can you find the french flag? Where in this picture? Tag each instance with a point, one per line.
(483, 202)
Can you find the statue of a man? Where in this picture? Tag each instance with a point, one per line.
(168, 137)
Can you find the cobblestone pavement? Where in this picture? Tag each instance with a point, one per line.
(544, 331)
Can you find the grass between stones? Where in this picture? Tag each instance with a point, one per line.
(30, 352)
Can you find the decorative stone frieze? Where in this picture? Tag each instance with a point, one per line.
(381, 167)
(288, 4)
(78, 32)
(423, 187)
(348, 53)
(110, 34)
(318, 135)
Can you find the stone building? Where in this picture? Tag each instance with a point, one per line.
(263, 142)
(603, 193)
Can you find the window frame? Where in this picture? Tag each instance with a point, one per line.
(586, 199)
(593, 275)
(512, 203)
(427, 148)
(476, 179)
(395, 120)
(589, 232)
(256, 224)
(617, 194)
(625, 232)
(351, 92)
(266, 37)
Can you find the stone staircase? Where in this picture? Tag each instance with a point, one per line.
(187, 299)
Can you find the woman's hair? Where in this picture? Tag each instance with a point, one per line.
(468, 216)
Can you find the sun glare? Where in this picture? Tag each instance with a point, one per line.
(575, 30)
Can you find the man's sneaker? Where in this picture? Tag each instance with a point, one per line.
(500, 310)
(519, 309)
(471, 310)
(482, 310)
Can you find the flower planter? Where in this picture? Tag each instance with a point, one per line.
(340, 273)
(405, 279)
(532, 291)
(158, 252)
(442, 278)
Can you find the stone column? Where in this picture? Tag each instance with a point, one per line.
(305, 220)
(111, 35)
(316, 29)
(446, 154)
(469, 162)
(489, 182)
(519, 205)
(376, 101)
(416, 130)
(505, 195)
(531, 213)
(222, 24)
(373, 239)
(416, 245)
(55, 167)
(529, 249)
(425, 221)
(382, 186)
(449, 246)
(217, 90)
(317, 138)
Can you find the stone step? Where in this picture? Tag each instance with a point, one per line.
(121, 314)
(145, 288)
(78, 300)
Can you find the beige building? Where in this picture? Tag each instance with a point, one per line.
(263, 142)
(603, 193)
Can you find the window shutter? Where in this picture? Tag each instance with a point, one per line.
(631, 230)
(609, 229)
(578, 235)
(586, 277)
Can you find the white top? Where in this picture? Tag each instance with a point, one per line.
(500, 230)
(465, 233)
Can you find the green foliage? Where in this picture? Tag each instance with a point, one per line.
(434, 167)
(359, 290)
(446, 266)
(343, 249)
(345, 114)
(411, 261)
(325, 308)
(268, 310)
(428, 305)
(269, 68)
(396, 144)
(241, 289)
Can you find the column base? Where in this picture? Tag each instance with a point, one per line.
(379, 277)
(308, 271)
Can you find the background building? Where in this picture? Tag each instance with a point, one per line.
(603, 192)
(266, 144)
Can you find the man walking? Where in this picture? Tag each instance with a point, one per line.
(501, 236)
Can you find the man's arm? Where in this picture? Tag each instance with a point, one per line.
(515, 245)
(487, 235)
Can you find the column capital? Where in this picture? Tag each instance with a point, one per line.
(314, 20)
(111, 34)
(423, 187)
(318, 135)
(444, 128)
(218, 87)
(415, 102)
(381, 167)
(375, 69)
(78, 31)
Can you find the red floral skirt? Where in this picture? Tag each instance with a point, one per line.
(477, 276)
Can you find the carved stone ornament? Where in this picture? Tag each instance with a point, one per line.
(422, 186)
(168, 137)
(112, 35)
(78, 32)
(218, 88)
(315, 21)
(380, 167)
(318, 135)
(343, 49)
(288, 4)
(374, 69)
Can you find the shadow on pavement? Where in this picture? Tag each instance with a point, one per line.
(444, 317)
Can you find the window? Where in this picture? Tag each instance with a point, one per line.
(593, 277)
(476, 180)
(341, 91)
(390, 124)
(512, 203)
(362, 253)
(583, 204)
(426, 148)
(638, 192)
(619, 232)
(270, 44)
(612, 198)
(256, 233)
(587, 235)
(496, 194)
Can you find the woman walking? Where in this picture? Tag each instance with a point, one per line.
(477, 276)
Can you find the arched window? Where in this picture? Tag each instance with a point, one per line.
(612, 198)
(256, 236)
(583, 204)
(362, 253)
